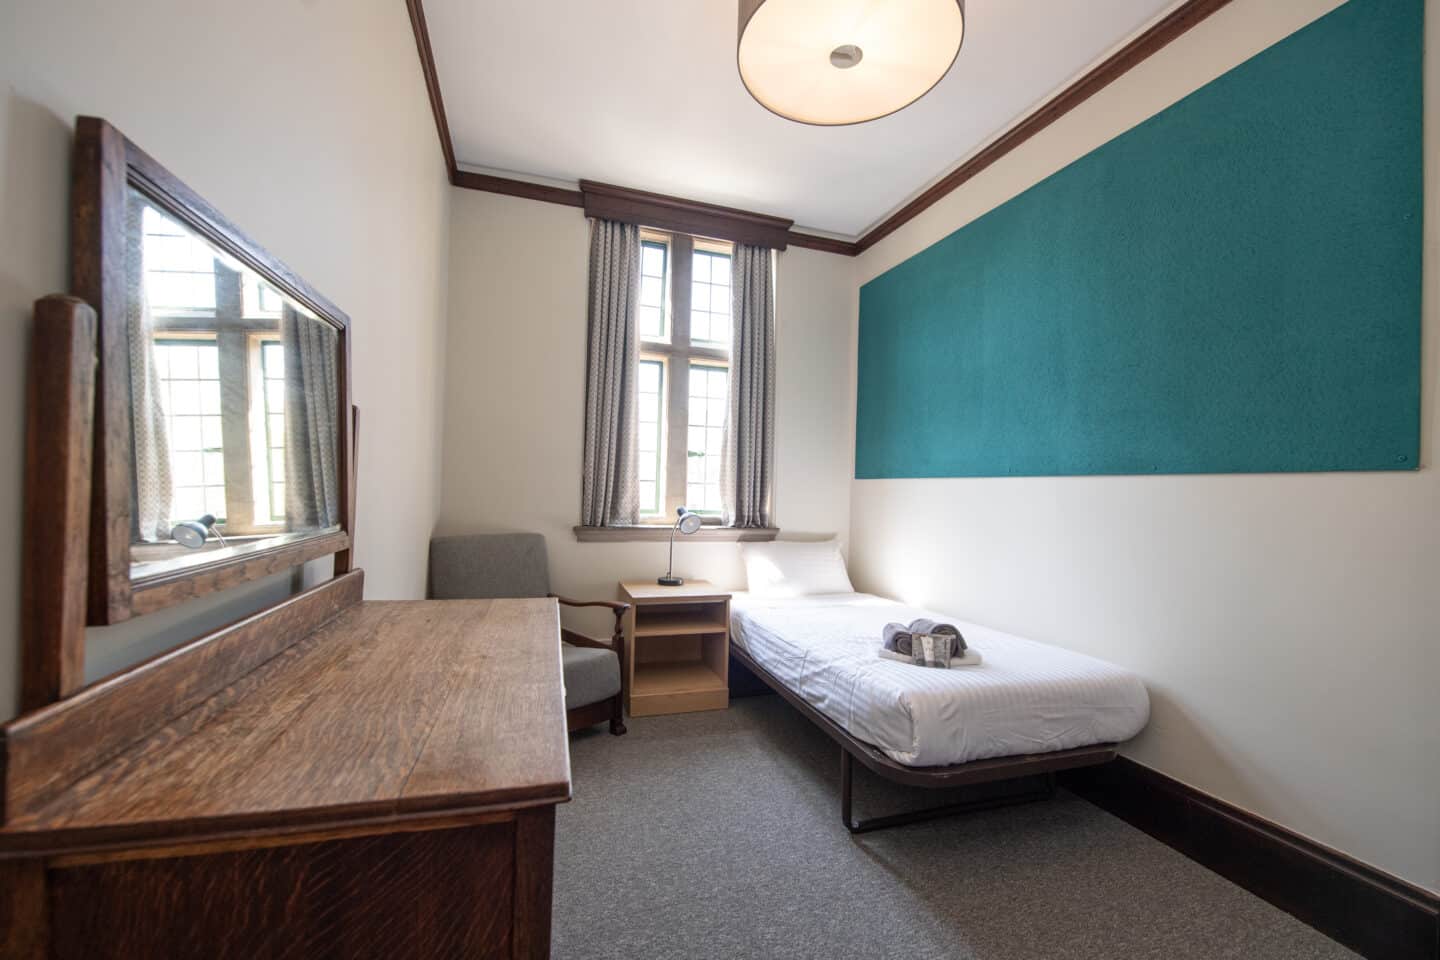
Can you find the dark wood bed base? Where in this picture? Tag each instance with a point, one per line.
(1045, 765)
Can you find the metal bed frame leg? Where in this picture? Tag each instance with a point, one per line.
(847, 776)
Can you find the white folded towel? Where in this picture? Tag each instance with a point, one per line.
(970, 658)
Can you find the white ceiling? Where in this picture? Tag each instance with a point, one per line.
(645, 94)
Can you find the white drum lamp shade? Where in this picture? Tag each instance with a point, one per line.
(834, 62)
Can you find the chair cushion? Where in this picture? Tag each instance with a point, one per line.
(591, 674)
(486, 565)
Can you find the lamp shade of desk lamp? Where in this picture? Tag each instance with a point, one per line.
(687, 523)
(193, 533)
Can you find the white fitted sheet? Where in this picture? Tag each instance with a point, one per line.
(1026, 697)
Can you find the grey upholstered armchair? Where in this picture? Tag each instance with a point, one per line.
(485, 566)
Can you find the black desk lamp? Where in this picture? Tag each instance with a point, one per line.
(193, 533)
(687, 523)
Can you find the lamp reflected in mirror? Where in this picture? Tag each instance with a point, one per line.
(193, 533)
(687, 523)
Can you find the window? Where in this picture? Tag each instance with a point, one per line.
(179, 268)
(217, 381)
(683, 322)
(261, 299)
(267, 443)
(707, 408)
(189, 372)
(710, 298)
(651, 401)
(654, 291)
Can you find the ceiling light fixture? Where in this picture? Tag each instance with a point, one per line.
(834, 62)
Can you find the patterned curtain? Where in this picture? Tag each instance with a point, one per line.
(748, 465)
(610, 493)
(153, 487)
(312, 489)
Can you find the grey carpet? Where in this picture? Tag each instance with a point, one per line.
(718, 835)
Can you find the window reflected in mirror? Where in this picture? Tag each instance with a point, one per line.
(234, 402)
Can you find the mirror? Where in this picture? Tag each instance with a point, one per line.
(222, 448)
(233, 402)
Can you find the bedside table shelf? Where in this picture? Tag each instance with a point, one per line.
(684, 677)
(678, 643)
(670, 624)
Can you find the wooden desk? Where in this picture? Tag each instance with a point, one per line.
(383, 787)
(678, 639)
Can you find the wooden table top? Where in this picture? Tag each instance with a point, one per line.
(648, 591)
(393, 710)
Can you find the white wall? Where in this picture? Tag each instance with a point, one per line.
(308, 125)
(515, 394)
(1287, 626)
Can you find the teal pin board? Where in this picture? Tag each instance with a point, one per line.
(1233, 286)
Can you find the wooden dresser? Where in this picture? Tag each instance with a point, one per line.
(330, 778)
(326, 778)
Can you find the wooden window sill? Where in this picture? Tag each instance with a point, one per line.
(659, 532)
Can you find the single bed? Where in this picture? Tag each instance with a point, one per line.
(1028, 708)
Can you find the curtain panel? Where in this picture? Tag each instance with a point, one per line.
(154, 482)
(312, 382)
(748, 465)
(609, 488)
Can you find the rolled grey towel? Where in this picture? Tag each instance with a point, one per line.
(897, 638)
(906, 642)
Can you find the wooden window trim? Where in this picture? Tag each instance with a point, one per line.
(606, 201)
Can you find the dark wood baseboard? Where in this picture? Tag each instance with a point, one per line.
(1371, 912)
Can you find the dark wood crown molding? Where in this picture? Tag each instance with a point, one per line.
(432, 82)
(517, 188)
(609, 202)
(846, 248)
(688, 215)
(1170, 27)
(511, 187)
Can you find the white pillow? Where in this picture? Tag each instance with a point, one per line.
(793, 568)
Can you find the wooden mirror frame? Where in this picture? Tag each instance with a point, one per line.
(106, 165)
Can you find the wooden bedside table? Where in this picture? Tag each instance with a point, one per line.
(678, 644)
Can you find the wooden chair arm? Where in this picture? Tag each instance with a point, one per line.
(617, 606)
(580, 640)
(617, 639)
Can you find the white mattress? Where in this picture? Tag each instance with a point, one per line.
(1025, 697)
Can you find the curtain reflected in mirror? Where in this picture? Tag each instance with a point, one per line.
(234, 391)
